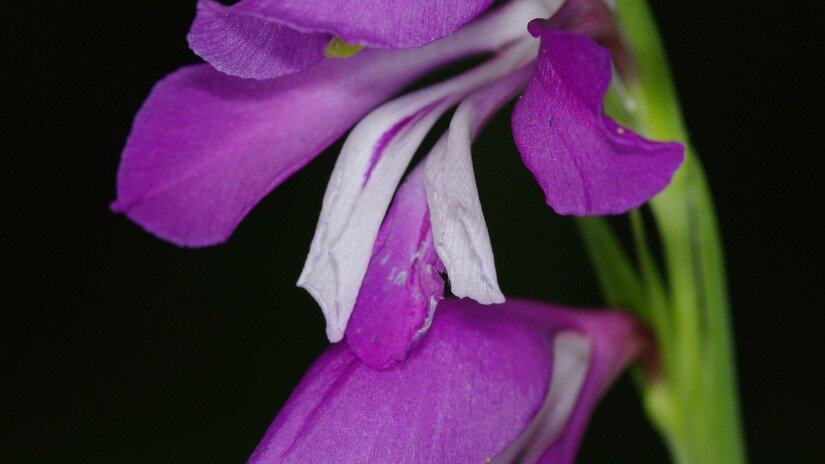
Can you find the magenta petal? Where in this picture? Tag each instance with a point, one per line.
(616, 338)
(374, 23)
(585, 162)
(402, 285)
(614, 353)
(239, 41)
(206, 147)
(477, 382)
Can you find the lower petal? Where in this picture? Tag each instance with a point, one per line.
(402, 285)
(522, 377)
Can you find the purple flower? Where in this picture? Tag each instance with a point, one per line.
(518, 380)
(206, 147)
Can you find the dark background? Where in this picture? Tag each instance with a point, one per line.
(118, 347)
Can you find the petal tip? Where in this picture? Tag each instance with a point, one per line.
(167, 232)
(537, 26)
(116, 206)
(485, 293)
(336, 324)
(334, 333)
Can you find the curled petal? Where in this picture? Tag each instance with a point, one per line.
(585, 162)
(485, 384)
(594, 19)
(402, 284)
(368, 170)
(459, 229)
(239, 41)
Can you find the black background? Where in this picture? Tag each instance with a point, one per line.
(117, 347)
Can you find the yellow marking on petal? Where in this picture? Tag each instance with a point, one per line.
(337, 48)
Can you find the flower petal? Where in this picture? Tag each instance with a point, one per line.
(614, 339)
(239, 41)
(478, 384)
(263, 39)
(459, 230)
(371, 163)
(572, 354)
(206, 147)
(592, 18)
(585, 162)
(402, 285)
(374, 23)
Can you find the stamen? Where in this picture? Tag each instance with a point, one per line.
(337, 48)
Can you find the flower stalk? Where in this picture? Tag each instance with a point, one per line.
(693, 397)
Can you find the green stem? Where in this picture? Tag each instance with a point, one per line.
(617, 277)
(694, 400)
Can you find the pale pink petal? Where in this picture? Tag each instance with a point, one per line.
(459, 229)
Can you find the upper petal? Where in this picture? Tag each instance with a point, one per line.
(585, 162)
(402, 284)
(206, 147)
(483, 383)
(240, 41)
(264, 38)
(374, 23)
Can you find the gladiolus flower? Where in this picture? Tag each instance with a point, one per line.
(206, 146)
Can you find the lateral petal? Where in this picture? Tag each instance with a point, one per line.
(585, 162)
(459, 229)
(206, 147)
